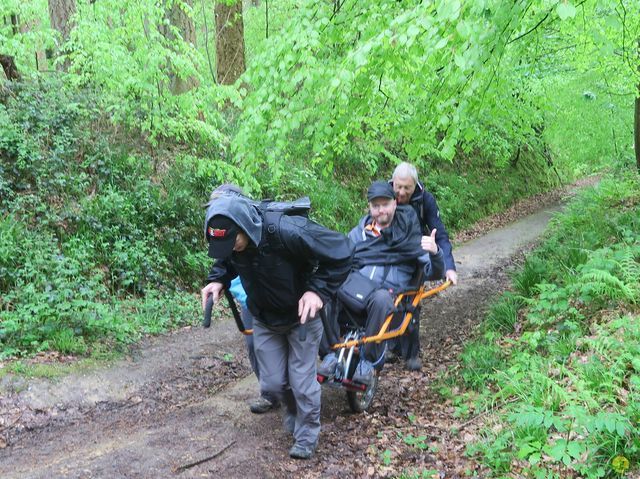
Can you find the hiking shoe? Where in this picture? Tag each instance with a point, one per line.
(262, 405)
(413, 364)
(298, 451)
(364, 372)
(390, 356)
(289, 422)
(328, 366)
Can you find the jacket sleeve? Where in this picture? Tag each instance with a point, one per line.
(355, 235)
(434, 267)
(330, 250)
(432, 220)
(221, 272)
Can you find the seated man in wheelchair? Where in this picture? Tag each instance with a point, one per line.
(389, 247)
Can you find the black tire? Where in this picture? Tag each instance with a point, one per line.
(360, 401)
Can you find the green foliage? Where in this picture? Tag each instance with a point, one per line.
(134, 58)
(352, 68)
(21, 42)
(336, 86)
(599, 121)
(532, 273)
(570, 381)
(79, 229)
(503, 314)
(480, 362)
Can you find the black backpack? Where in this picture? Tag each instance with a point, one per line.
(273, 211)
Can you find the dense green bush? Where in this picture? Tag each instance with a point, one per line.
(85, 228)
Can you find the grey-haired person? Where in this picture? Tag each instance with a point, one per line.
(410, 191)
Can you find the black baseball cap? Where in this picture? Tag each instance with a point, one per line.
(380, 189)
(221, 234)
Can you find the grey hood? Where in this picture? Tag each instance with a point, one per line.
(242, 211)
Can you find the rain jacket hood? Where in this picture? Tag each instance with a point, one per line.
(242, 211)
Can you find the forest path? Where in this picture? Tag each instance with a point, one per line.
(183, 397)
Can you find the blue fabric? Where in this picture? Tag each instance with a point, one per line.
(238, 291)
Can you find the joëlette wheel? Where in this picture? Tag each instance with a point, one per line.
(360, 401)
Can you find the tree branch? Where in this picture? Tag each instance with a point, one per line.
(208, 458)
(385, 95)
(531, 29)
(539, 23)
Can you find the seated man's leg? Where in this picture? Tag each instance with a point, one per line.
(330, 336)
(379, 305)
(412, 351)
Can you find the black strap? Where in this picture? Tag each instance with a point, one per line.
(234, 310)
(385, 272)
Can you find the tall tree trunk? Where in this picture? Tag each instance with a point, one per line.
(183, 22)
(9, 67)
(229, 42)
(61, 15)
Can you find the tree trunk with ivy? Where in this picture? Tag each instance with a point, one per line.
(183, 22)
(61, 14)
(9, 66)
(230, 62)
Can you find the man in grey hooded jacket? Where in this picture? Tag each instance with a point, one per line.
(289, 271)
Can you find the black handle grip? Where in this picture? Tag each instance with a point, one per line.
(206, 322)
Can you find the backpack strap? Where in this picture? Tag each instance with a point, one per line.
(271, 229)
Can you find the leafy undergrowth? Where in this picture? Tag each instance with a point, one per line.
(555, 370)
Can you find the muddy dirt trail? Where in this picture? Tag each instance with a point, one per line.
(183, 398)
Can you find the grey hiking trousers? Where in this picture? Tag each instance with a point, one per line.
(288, 370)
(247, 320)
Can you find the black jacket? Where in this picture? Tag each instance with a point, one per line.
(275, 274)
(427, 210)
(391, 258)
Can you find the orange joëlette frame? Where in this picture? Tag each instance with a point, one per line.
(383, 335)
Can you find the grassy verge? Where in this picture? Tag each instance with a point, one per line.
(556, 363)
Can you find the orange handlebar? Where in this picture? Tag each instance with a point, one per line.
(384, 334)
